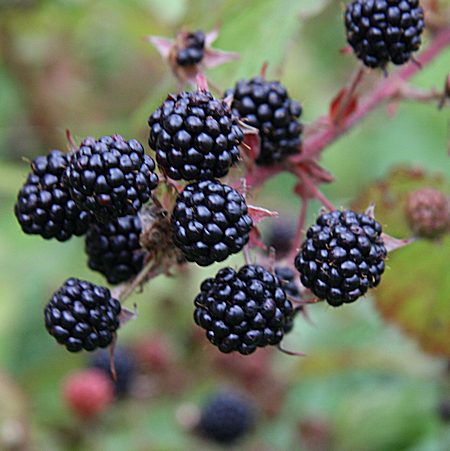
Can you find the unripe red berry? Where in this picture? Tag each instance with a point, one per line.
(88, 393)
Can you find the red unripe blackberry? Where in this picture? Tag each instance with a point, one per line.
(266, 106)
(44, 206)
(82, 315)
(342, 256)
(88, 393)
(243, 310)
(195, 136)
(210, 222)
(114, 249)
(110, 177)
(192, 53)
(380, 31)
(226, 417)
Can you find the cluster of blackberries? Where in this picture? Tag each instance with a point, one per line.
(195, 136)
(82, 315)
(342, 256)
(384, 30)
(192, 51)
(210, 222)
(243, 310)
(266, 106)
(196, 139)
(44, 205)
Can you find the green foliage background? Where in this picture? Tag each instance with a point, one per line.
(82, 65)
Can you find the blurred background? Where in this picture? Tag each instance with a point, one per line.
(83, 66)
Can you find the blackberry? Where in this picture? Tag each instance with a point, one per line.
(124, 364)
(243, 310)
(266, 106)
(210, 222)
(427, 212)
(82, 315)
(114, 249)
(192, 51)
(44, 206)
(380, 31)
(195, 136)
(287, 279)
(110, 177)
(342, 256)
(226, 417)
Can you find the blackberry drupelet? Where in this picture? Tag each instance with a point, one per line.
(114, 249)
(342, 256)
(82, 315)
(192, 53)
(266, 106)
(124, 364)
(226, 417)
(243, 310)
(44, 206)
(380, 31)
(210, 222)
(110, 177)
(195, 136)
(287, 279)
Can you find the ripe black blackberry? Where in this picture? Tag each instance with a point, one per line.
(384, 30)
(82, 315)
(342, 256)
(287, 279)
(266, 106)
(44, 206)
(210, 222)
(192, 51)
(226, 417)
(114, 249)
(110, 177)
(124, 364)
(195, 136)
(243, 310)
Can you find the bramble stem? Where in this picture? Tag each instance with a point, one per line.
(296, 242)
(387, 88)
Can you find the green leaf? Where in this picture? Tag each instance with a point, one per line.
(413, 292)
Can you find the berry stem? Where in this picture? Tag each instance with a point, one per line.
(313, 190)
(385, 89)
(296, 242)
(345, 101)
(248, 257)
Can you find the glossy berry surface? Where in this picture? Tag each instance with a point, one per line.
(195, 136)
(110, 177)
(342, 257)
(210, 222)
(226, 417)
(44, 206)
(380, 31)
(82, 315)
(266, 106)
(243, 310)
(192, 51)
(114, 249)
